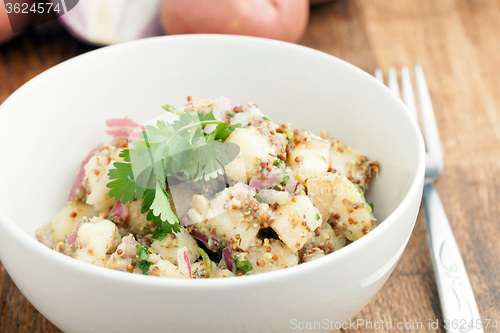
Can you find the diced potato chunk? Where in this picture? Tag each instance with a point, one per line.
(199, 209)
(163, 268)
(63, 223)
(255, 148)
(271, 255)
(234, 226)
(322, 192)
(272, 196)
(295, 221)
(136, 221)
(167, 248)
(222, 273)
(350, 162)
(326, 239)
(349, 211)
(313, 254)
(125, 254)
(228, 218)
(307, 164)
(96, 177)
(95, 239)
(309, 158)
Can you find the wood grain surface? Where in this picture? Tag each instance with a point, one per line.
(457, 43)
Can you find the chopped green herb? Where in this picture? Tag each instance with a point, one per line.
(142, 252)
(360, 190)
(230, 114)
(172, 109)
(112, 219)
(278, 162)
(317, 216)
(160, 233)
(143, 256)
(285, 177)
(182, 149)
(206, 260)
(144, 267)
(265, 118)
(371, 206)
(243, 266)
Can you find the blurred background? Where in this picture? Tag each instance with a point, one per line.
(456, 41)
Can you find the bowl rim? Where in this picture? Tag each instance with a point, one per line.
(414, 190)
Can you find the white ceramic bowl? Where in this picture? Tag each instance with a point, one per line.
(49, 124)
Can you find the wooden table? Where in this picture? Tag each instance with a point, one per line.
(457, 43)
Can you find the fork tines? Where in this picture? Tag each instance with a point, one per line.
(434, 158)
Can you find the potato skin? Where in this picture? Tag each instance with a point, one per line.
(277, 19)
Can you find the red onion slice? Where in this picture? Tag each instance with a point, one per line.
(199, 235)
(259, 183)
(228, 259)
(121, 122)
(71, 239)
(318, 144)
(120, 211)
(183, 261)
(124, 127)
(77, 185)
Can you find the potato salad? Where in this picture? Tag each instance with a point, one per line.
(216, 190)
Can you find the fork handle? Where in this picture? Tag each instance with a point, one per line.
(458, 305)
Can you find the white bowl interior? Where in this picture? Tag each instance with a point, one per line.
(48, 126)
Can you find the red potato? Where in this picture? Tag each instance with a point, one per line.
(278, 19)
(21, 22)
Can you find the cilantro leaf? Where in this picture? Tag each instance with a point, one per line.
(208, 160)
(123, 187)
(222, 131)
(182, 148)
(161, 206)
(160, 233)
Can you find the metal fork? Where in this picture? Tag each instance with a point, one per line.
(458, 305)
